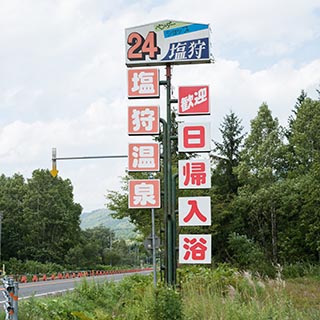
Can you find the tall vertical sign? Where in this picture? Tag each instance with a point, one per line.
(194, 174)
(168, 43)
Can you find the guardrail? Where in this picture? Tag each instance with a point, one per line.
(11, 295)
(72, 275)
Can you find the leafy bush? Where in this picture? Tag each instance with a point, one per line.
(301, 269)
(247, 255)
(167, 304)
(15, 266)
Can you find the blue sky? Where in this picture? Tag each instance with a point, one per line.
(63, 75)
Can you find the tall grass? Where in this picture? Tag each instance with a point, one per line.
(203, 294)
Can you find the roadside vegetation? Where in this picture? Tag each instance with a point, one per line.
(222, 292)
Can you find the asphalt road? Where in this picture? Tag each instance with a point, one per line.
(53, 287)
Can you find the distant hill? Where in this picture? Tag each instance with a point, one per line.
(122, 228)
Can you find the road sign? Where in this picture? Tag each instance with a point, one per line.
(144, 157)
(143, 83)
(195, 248)
(143, 120)
(194, 174)
(54, 172)
(168, 41)
(193, 100)
(194, 137)
(194, 211)
(144, 194)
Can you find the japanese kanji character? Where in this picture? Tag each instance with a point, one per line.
(187, 102)
(195, 49)
(195, 248)
(144, 118)
(178, 51)
(143, 157)
(194, 211)
(200, 96)
(143, 82)
(143, 194)
(194, 173)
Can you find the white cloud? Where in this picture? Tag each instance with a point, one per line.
(63, 80)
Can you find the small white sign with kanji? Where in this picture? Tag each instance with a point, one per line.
(194, 137)
(144, 194)
(194, 211)
(194, 174)
(144, 157)
(195, 248)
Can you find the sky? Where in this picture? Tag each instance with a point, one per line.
(63, 78)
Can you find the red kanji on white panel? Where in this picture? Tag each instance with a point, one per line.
(144, 194)
(194, 211)
(143, 157)
(143, 83)
(194, 174)
(194, 137)
(194, 248)
(193, 100)
(143, 120)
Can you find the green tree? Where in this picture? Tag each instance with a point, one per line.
(304, 138)
(262, 158)
(51, 219)
(12, 194)
(262, 164)
(224, 177)
(225, 185)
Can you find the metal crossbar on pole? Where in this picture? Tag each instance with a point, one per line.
(91, 157)
(54, 170)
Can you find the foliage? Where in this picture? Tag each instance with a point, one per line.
(215, 293)
(167, 304)
(17, 267)
(223, 176)
(40, 219)
(246, 254)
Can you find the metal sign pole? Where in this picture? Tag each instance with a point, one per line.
(170, 221)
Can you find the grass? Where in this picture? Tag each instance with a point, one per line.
(222, 293)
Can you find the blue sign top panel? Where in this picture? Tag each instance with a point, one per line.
(184, 29)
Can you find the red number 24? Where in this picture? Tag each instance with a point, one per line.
(141, 47)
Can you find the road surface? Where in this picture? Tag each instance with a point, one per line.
(53, 287)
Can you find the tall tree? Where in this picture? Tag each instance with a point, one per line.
(262, 158)
(51, 218)
(261, 165)
(302, 97)
(224, 177)
(12, 194)
(304, 138)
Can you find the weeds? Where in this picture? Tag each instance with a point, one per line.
(204, 294)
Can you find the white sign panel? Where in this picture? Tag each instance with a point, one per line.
(194, 174)
(168, 41)
(195, 248)
(194, 211)
(194, 137)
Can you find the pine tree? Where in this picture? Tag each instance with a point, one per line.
(228, 154)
